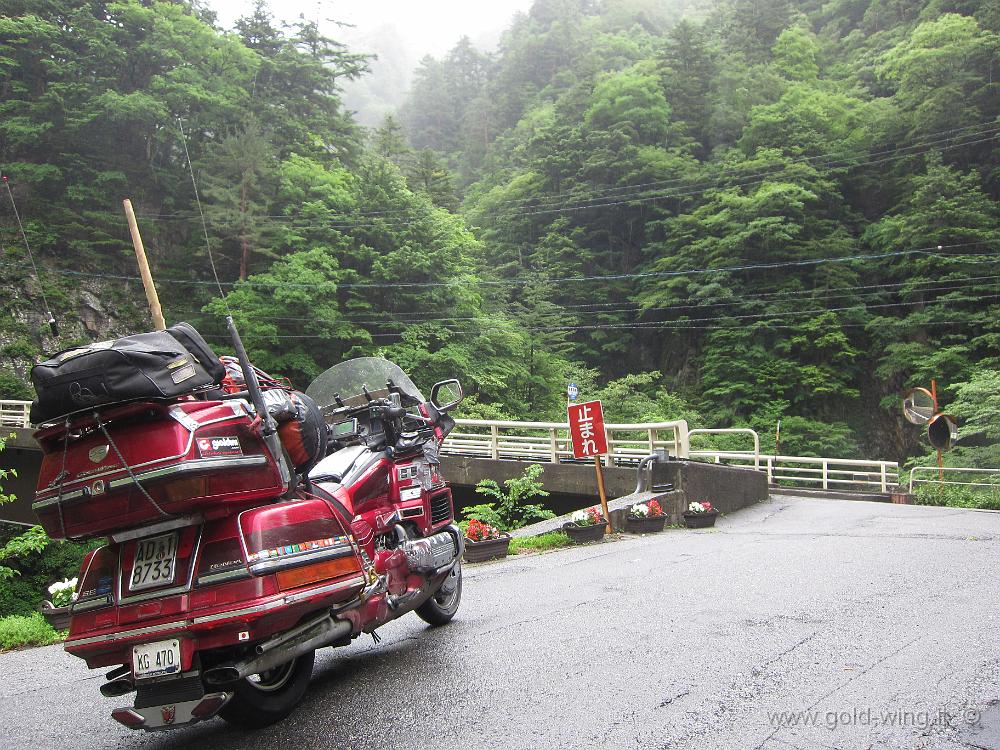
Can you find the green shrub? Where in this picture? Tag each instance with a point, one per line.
(12, 387)
(26, 630)
(35, 571)
(510, 511)
(954, 496)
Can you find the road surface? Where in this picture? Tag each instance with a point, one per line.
(798, 623)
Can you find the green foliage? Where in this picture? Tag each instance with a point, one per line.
(630, 100)
(510, 511)
(13, 387)
(642, 397)
(931, 493)
(36, 566)
(31, 542)
(540, 543)
(17, 631)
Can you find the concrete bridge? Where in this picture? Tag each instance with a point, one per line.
(480, 449)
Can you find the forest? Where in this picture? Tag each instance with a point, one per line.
(732, 211)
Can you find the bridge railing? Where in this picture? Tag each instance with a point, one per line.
(752, 456)
(628, 443)
(809, 471)
(550, 441)
(993, 476)
(14, 413)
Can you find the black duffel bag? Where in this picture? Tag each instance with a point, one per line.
(156, 365)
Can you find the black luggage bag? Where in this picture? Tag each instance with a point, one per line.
(156, 365)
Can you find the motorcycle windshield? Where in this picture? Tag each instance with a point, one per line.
(349, 379)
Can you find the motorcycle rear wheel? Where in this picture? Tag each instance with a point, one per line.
(442, 606)
(263, 699)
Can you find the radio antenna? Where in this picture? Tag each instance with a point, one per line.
(201, 213)
(269, 428)
(38, 279)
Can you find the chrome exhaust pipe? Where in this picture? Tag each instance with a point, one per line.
(281, 649)
(117, 687)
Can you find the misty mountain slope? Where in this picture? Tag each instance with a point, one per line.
(788, 209)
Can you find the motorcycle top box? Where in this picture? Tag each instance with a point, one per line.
(141, 463)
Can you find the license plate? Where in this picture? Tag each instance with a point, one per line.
(155, 562)
(155, 659)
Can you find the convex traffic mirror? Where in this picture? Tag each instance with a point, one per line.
(942, 431)
(919, 406)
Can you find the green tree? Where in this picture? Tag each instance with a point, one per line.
(237, 181)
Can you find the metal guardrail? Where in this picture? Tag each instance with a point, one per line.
(825, 473)
(953, 470)
(716, 455)
(549, 442)
(15, 413)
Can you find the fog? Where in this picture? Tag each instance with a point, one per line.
(399, 32)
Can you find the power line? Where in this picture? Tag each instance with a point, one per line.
(984, 126)
(931, 251)
(655, 195)
(625, 308)
(832, 160)
(676, 324)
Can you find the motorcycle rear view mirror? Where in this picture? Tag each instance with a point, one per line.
(344, 430)
(918, 406)
(942, 431)
(446, 395)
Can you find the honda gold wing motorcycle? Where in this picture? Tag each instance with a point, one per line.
(246, 525)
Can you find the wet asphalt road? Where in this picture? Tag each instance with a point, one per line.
(879, 621)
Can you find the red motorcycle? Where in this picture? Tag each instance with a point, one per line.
(232, 553)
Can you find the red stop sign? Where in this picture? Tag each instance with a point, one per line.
(586, 428)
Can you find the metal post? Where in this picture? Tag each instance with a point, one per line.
(770, 471)
(884, 487)
(826, 467)
(494, 442)
(553, 446)
(652, 439)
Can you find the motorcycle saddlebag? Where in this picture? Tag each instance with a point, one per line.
(190, 457)
(144, 366)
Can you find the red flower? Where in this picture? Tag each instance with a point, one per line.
(477, 531)
(654, 509)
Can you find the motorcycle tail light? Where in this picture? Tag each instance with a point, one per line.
(178, 490)
(97, 585)
(221, 561)
(321, 571)
(289, 535)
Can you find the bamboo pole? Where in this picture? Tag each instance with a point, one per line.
(602, 492)
(147, 278)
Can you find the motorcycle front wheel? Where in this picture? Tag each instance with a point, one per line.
(443, 605)
(263, 699)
